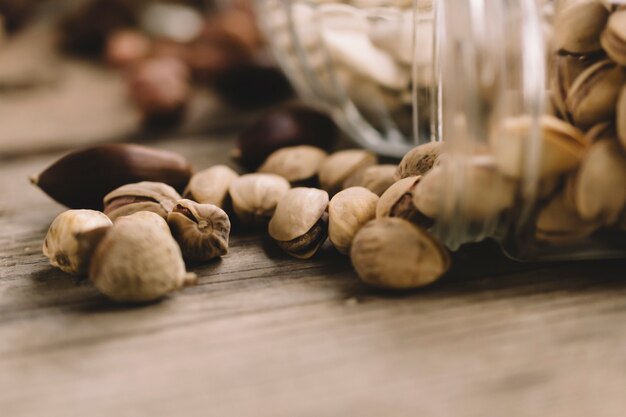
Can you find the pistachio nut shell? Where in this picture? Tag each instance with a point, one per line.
(82, 178)
(601, 131)
(210, 186)
(377, 178)
(62, 245)
(297, 212)
(393, 253)
(578, 25)
(621, 118)
(255, 196)
(296, 164)
(201, 230)
(348, 211)
(419, 160)
(156, 197)
(394, 193)
(138, 260)
(613, 38)
(340, 165)
(563, 71)
(559, 223)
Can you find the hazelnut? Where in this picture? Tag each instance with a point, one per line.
(336, 169)
(299, 225)
(201, 230)
(297, 164)
(255, 196)
(348, 211)
(377, 178)
(62, 245)
(211, 185)
(419, 160)
(393, 253)
(138, 260)
(156, 197)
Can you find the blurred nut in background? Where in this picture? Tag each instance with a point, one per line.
(377, 178)
(211, 185)
(614, 37)
(297, 164)
(578, 24)
(621, 118)
(336, 169)
(348, 211)
(155, 197)
(15, 13)
(127, 47)
(255, 196)
(419, 160)
(559, 223)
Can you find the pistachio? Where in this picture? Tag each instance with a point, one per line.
(562, 147)
(559, 223)
(419, 160)
(621, 118)
(297, 164)
(138, 260)
(600, 190)
(255, 196)
(601, 131)
(336, 169)
(299, 225)
(393, 253)
(62, 245)
(376, 178)
(156, 197)
(593, 96)
(82, 178)
(201, 230)
(578, 24)
(348, 211)
(210, 186)
(563, 71)
(613, 38)
(397, 201)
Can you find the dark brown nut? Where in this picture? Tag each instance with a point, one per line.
(82, 178)
(564, 69)
(211, 185)
(559, 223)
(348, 211)
(62, 245)
(600, 184)
(297, 164)
(288, 126)
(255, 196)
(419, 160)
(201, 230)
(336, 169)
(300, 224)
(613, 38)
(578, 24)
(127, 47)
(563, 146)
(593, 96)
(621, 118)
(160, 87)
(138, 260)
(393, 253)
(377, 178)
(156, 197)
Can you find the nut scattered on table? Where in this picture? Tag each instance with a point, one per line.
(348, 211)
(377, 178)
(336, 169)
(297, 164)
(156, 197)
(210, 186)
(255, 196)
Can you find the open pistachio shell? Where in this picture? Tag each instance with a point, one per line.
(156, 197)
(298, 210)
(348, 211)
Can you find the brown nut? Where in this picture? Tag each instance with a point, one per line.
(419, 160)
(297, 164)
(82, 178)
(348, 211)
(578, 24)
(211, 185)
(593, 96)
(156, 197)
(63, 245)
(613, 38)
(138, 260)
(563, 71)
(377, 178)
(201, 230)
(336, 169)
(397, 201)
(563, 146)
(255, 196)
(559, 223)
(300, 224)
(600, 184)
(621, 118)
(393, 253)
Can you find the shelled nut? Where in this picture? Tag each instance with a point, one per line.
(156, 197)
(297, 164)
(348, 211)
(211, 185)
(255, 196)
(340, 165)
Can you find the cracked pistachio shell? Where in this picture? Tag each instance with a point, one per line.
(397, 201)
(578, 25)
(296, 164)
(377, 178)
(419, 160)
(348, 211)
(394, 253)
(201, 230)
(621, 118)
(559, 223)
(255, 196)
(210, 186)
(563, 71)
(613, 38)
(600, 184)
(62, 245)
(297, 212)
(156, 197)
(138, 260)
(563, 146)
(336, 169)
(593, 96)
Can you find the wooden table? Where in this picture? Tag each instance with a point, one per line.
(266, 335)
